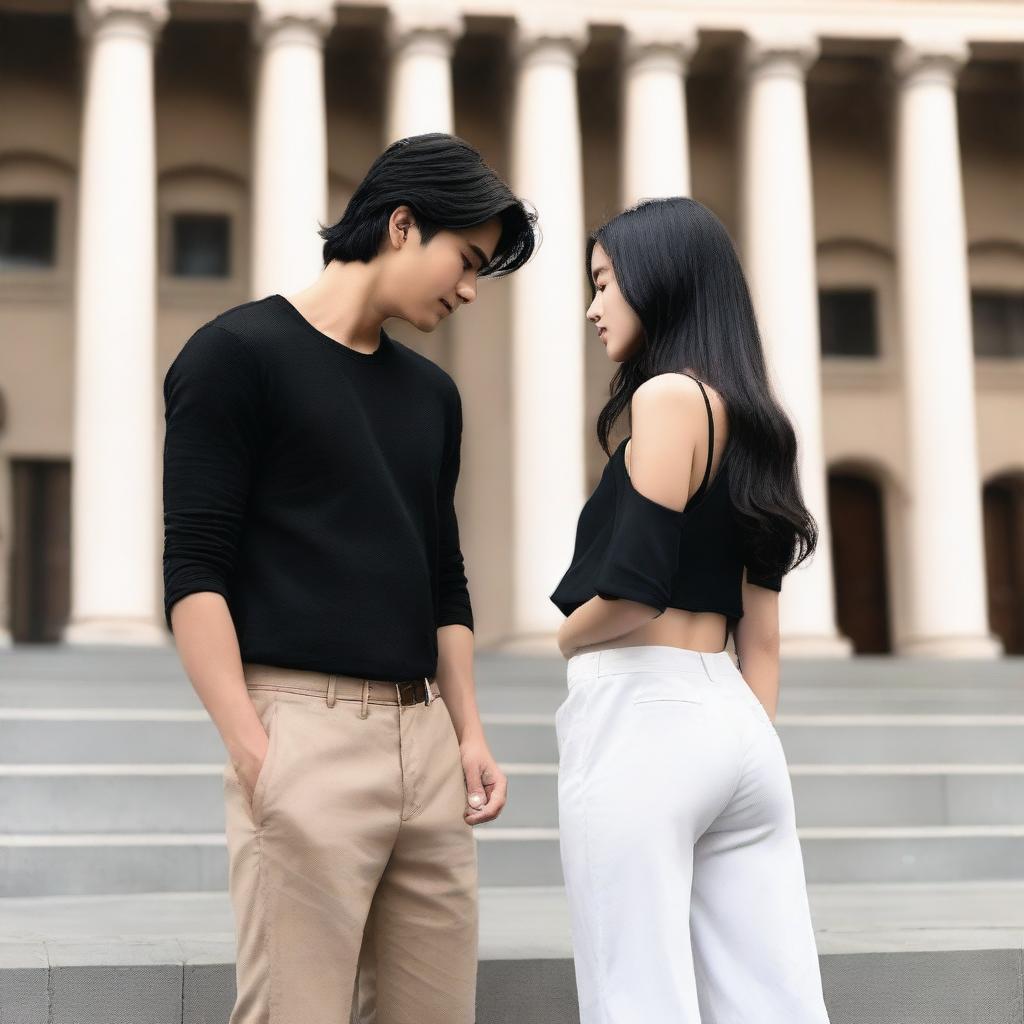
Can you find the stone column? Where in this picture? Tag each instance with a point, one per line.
(778, 247)
(115, 548)
(946, 588)
(548, 321)
(421, 40)
(655, 146)
(289, 144)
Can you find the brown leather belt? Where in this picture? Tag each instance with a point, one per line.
(335, 687)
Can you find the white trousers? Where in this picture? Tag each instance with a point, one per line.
(682, 865)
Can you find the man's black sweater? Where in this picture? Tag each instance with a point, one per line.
(313, 487)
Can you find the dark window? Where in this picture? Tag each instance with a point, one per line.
(201, 242)
(27, 233)
(849, 324)
(998, 322)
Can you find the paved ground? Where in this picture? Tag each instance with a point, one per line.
(526, 922)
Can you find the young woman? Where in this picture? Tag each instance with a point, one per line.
(682, 864)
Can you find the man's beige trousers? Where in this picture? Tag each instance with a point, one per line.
(352, 872)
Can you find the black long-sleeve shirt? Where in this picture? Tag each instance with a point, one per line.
(313, 487)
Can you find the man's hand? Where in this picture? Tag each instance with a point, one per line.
(248, 768)
(486, 784)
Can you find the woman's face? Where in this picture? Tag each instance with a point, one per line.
(618, 326)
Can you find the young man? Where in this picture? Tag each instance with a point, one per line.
(315, 587)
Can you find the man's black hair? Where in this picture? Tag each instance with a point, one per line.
(447, 185)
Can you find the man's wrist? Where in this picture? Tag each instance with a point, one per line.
(248, 745)
(472, 731)
(246, 750)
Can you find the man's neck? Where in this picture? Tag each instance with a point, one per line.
(342, 304)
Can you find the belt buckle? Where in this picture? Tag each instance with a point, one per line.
(408, 691)
(408, 688)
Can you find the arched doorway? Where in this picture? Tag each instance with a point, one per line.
(859, 562)
(1003, 505)
(40, 588)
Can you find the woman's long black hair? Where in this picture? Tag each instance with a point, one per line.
(447, 185)
(676, 266)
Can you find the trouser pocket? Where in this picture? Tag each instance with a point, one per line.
(271, 712)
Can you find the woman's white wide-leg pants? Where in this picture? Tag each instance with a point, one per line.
(682, 865)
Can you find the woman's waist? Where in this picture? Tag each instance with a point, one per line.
(675, 627)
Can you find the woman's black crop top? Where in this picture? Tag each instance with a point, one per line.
(628, 546)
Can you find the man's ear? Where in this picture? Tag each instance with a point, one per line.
(400, 223)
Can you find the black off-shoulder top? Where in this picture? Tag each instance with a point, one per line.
(629, 546)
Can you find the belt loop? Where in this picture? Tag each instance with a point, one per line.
(428, 696)
(331, 680)
(366, 697)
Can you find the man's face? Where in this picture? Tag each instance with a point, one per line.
(432, 281)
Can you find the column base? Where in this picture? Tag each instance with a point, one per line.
(989, 647)
(129, 632)
(810, 646)
(6, 640)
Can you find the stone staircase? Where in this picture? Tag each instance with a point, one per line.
(909, 785)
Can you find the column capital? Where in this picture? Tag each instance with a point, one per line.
(555, 35)
(939, 55)
(659, 40)
(146, 17)
(437, 26)
(310, 19)
(789, 53)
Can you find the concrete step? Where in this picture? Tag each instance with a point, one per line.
(109, 770)
(530, 856)
(124, 665)
(113, 677)
(66, 798)
(836, 795)
(69, 735)
(859, 738)
(888, 955)
(42, 865)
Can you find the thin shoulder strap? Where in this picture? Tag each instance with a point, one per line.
(711, 438)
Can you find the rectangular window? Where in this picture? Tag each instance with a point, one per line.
(997, 320)
(201, 245)
(848, 321)
(28, 233)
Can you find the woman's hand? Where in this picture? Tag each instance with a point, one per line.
(486, 784)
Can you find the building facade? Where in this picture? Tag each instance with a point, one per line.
(162, 161)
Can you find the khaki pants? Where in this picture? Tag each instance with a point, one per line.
(352, 872)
